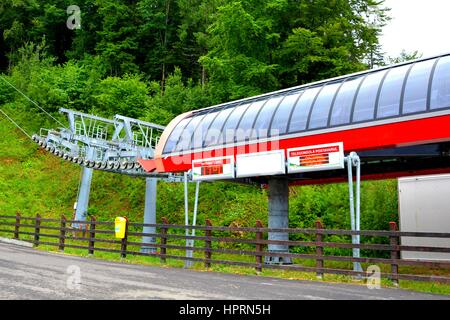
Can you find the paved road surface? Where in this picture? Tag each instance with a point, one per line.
(26, 273)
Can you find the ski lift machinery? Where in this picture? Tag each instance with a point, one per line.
(111, 145)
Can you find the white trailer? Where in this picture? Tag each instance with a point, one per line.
(424, 206)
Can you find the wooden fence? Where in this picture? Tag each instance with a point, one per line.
(215, 243)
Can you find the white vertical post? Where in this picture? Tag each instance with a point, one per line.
(358, 203)
(187, 263)
(190, 243)
(194, 222)
(354, 220)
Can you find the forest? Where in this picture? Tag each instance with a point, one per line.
(154, 59)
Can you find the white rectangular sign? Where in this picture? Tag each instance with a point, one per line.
(316, 158)
(260, 164)
(213, 169)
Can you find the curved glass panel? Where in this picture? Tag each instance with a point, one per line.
(214, 132)
(342, 108)
(175, 136)
(245, 129)
(200, 132)
(416, 90)
(389, 103)
(186, 135)
(261, 127)
(301, 112)
(367, 96)
(281, 118)
(229, 128)
(321, 109)
(440, 90)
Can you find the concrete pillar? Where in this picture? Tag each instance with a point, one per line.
(150, 213)
(84, 192)
(278, 217)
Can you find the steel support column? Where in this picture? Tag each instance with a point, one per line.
(150, 213)
(278, 218)
(84, 192)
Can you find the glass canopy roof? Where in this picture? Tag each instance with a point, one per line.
(412, 88)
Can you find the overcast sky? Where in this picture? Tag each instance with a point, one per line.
(422, 25)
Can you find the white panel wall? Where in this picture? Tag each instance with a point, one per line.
(260, 164)
(424, 205)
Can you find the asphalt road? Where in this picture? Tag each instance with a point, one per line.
(26, 273)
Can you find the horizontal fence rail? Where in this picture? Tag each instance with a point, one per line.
(311, 250)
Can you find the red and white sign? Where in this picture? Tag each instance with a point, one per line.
(316, 158)
(213, 169)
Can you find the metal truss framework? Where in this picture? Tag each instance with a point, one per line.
(103, 144)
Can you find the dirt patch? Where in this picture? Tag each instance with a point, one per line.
(8, 161)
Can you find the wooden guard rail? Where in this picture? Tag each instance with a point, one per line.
(99, 236)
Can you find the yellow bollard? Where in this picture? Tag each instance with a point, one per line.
(120, 225)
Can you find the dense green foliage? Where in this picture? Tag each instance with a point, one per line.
(154, 59)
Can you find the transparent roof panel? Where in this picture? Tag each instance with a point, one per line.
(321, 108)
(389, 101)
(343, 104)
(262, 123)
(282, 114)
(301, 112)
(229, 128)
(214, 132)
(175, 136)
(244, 129)
(367, 96)
(440, 89)
(416, 89)
(185, 139)
(199, 135)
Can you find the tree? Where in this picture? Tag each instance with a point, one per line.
(404, 57)
(328, 38)
(238, 54)
(118, 44)
(157, 33)
(126, 96)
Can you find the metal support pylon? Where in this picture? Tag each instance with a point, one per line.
(151, 185)
(278, 219)
(84, 192)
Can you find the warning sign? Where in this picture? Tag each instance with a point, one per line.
(213, 169)
(316, 158)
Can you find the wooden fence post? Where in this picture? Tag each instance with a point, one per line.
(62, 233)
(163, 240)
(319, 249)
(17, 226)
(208, 246)
(259, 247)
(92, 235)
(37, 230)
(123, 247)
(395, 252)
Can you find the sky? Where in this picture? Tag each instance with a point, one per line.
(422, 25)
